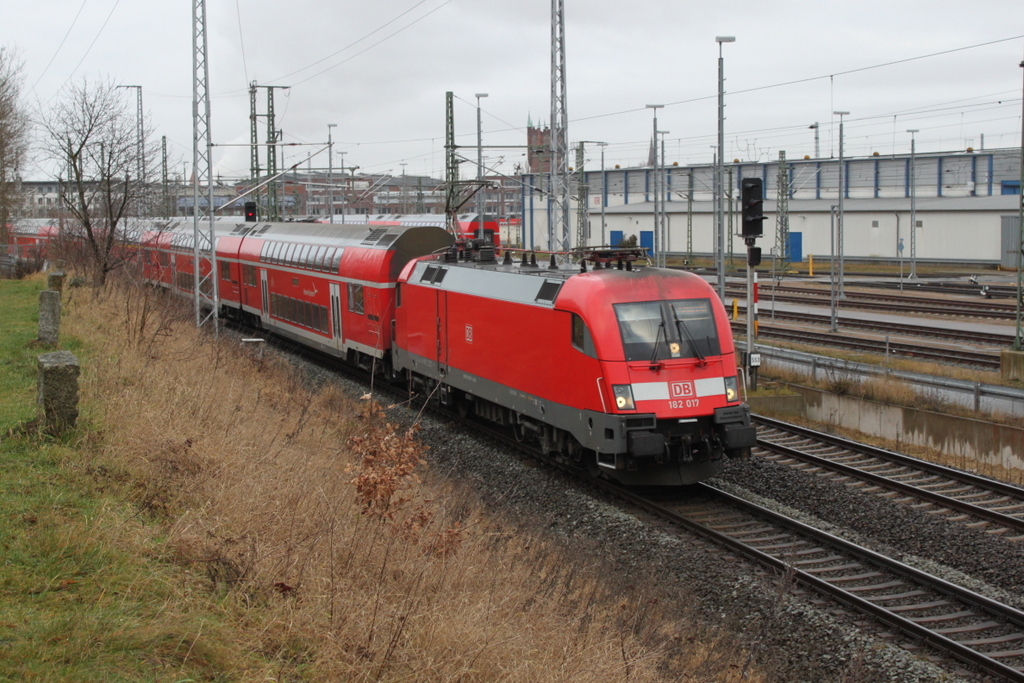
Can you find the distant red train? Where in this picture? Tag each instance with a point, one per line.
(623, 369)
(468, 223)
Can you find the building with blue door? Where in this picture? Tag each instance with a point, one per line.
(961, 198)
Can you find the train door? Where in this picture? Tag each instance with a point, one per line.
(336, 315)
(647, 240)
(442, 333)
(265, 296)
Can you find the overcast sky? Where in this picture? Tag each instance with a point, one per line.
(380, 69)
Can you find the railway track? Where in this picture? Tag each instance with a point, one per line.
(951, 619)
(948, 334)
(990, 291)
(880, 346)
(961, 496)
(878, 301)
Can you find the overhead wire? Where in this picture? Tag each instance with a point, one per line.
(808, 79)
(241, 42)
(352, 44)
(369, 47)
(62, 41)
(89, 49)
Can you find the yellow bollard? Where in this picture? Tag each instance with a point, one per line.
(735, 309)
(810, 265)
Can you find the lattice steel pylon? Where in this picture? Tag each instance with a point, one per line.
(559, 197)
(451, 165)
(254, 141)
(782, 213)
(273, 210)
(457, 192)
(204, 282)
(727, 201)
(165, 190)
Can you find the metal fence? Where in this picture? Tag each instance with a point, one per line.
(989, 398)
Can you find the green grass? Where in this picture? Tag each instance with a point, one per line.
(19, 320)
(86, 592)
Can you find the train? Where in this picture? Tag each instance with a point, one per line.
(601, 361)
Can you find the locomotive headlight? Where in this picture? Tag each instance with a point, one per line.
(623, 397)
(732, 392)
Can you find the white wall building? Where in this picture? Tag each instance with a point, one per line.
(965, 201)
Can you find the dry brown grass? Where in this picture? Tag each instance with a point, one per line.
(302, 515)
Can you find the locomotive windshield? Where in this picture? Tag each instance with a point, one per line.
(663, 330)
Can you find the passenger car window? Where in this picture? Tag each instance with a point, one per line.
(355, 298)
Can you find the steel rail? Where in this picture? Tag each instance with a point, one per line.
(994, 485)
(944, 501)
(979, 359)
(991, 608)
(1000, 340)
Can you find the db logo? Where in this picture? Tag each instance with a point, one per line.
(469, 334)
(681, 389)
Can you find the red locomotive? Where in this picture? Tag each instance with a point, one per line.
(628, 371)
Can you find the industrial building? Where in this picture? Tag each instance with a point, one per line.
(966, 206)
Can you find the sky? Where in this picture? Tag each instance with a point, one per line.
(379, 70)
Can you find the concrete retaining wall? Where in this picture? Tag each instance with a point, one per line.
(960, 437)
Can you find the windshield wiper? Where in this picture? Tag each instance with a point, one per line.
(684, 332)
(657, 340)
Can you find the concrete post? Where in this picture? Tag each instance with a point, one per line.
(49, 317)
(58, 390)
(55, 281)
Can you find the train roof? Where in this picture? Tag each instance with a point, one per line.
(546, 284)
(180, 233)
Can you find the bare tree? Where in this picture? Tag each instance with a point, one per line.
(14, 128)
(91, 135)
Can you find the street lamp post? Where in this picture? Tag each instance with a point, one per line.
(660, 182)
(330, 172)
(832, 294)
(719, 213)
(480, 167)
(913, 204)
(655, 213)
(604, 193)
(1018, 340)
(842, 194)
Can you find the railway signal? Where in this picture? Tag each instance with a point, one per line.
(752, 203)
(751, 227)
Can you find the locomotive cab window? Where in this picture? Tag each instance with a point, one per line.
(355, 298)
(581, 338)
(663, 330)
(225, 270)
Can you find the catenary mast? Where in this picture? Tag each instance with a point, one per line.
(205, 284)
(558, 229)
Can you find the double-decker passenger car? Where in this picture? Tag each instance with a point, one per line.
(330, 287)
